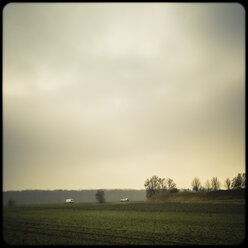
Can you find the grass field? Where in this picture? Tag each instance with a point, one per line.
(129, 223)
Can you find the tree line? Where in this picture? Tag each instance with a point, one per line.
(214, 184)
(156, 185)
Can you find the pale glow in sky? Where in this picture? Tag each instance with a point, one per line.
(105, 95)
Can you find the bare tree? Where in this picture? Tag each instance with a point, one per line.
(215, 184)
(243, 180)
(161, 185)
(154, 185)
(196, 184)
(170, 184)
(227, 183)
(237, 182)
(208, 186)
(100, 196)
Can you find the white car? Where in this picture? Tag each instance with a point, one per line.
(124, 200)
(69, 201)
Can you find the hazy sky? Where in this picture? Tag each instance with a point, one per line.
(105, 95)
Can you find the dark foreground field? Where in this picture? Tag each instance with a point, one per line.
(130, 223)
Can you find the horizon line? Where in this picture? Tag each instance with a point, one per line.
(71, 189)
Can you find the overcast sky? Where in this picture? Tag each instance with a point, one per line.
(105, 95)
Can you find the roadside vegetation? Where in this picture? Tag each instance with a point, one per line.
(161, 189)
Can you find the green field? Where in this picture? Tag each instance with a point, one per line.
(129, 223)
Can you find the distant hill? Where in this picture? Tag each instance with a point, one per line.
(59, 196)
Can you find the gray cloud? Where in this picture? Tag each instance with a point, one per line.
(107, 89)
